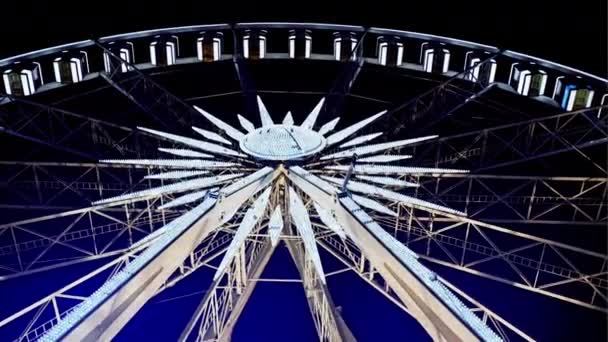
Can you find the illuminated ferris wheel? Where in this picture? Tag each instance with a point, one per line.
(135, 162)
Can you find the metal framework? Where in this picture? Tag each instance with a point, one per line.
(493, 222)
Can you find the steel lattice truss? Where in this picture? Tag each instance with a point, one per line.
(184, 198)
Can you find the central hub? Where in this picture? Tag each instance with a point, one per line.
(282, 142)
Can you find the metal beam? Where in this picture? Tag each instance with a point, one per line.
(432, 313)
(519, 142)
(161, 105)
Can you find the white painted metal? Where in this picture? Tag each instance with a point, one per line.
(211, 135)
(230, 131)
(311, 119)
(350, 130)
(264, 115)
(299, 216)
(246, 124)
(328, 127)
(275, 226)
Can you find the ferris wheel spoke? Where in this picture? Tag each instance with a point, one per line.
(224, 301)
(396, 263)
(73, 133)
(537, 264)
(57, 301)
(521, 199)
(78, 235)
(496, 147)
(351, 256)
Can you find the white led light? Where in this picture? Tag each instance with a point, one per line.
(230, 131)
(275, 226)
(307, 47)
(373, 205)
(409, 259)
(328, 127)
(372, 169)
(446, 60)
(176, 174)
(7, 82)
(185, 199)
(388, 181)
(175, 163)
(217, 49)
(329, 220)
(203, 145)
(337, 48)
(368, 149)
(246, 46)
(382, 52)
(292, 47)
(252, 216)
(246, 124)
(264, 115)
(170, 51)
(288, 119)
(56, 69)
(384, 158)
(375, 191)
(399, 53)
(153, 53)
(348, 131)
(165, 236)
(311, 119)
(361, 139)
(181, 152)
(301, 220)
(211, 135)
(182, 186)
(262, 47)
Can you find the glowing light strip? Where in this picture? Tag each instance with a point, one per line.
(373, 205)
(264, 115)
(243, 182)
(230, 131)
(252, 216)
(318, 182)
(329, 220)
(246, 124)
(385, 158)
(372, 169)
(176, 174)
(361, 139)
(410, 260)
(211, 135)
(174, 229)
(328, 127)
(203, 145)
(275, 226)
(185, 199)
(348, 131)
(288, 119)
(177, 163)
(311, 119)
(300, 218)
(388, 181)
(391, 195)
(363, 150)
(193, 184)
(182, 152)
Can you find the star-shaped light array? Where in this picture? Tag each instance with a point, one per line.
(213, 160)
(338, 163)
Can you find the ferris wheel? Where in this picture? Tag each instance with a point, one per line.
(134, 163)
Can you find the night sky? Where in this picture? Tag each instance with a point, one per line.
(571, 33)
